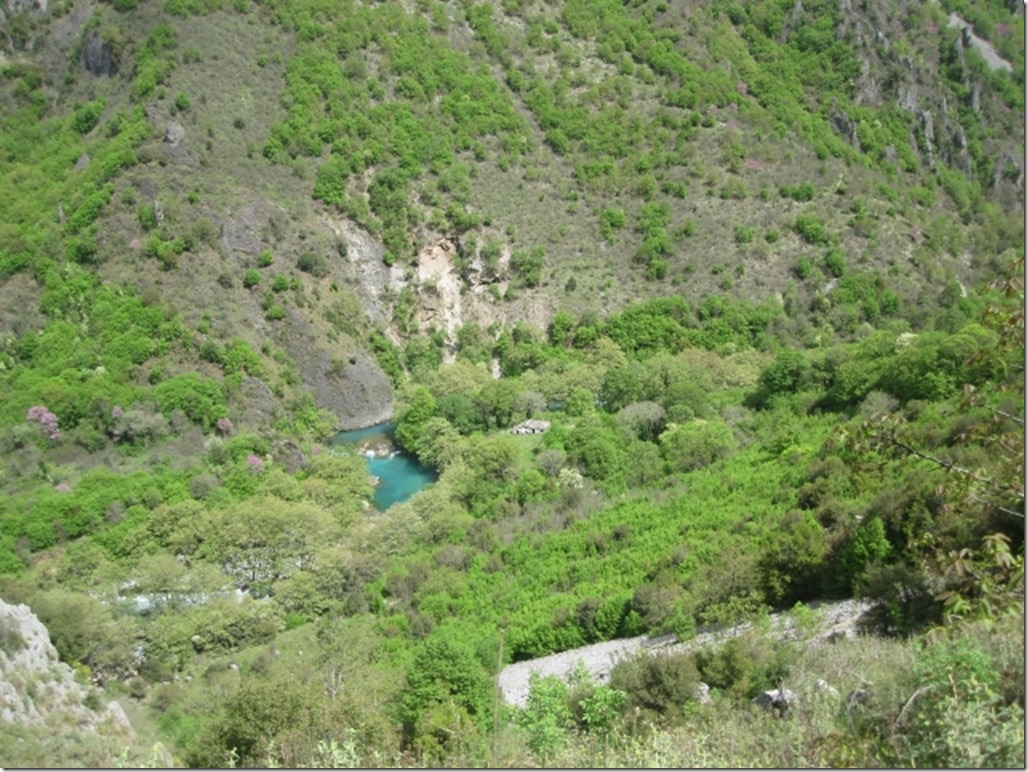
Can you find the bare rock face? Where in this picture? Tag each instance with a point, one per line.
(98, 56)
(244, 230)
(364, 266)
(19, 306)
(703, 693)
(26, 652)
(440, 303)
(846, 126)
(924, 117)
(175, 141)
(257, 404)
(289, 455)
(50, 720)
(348, 383)
(35, 8)
(823, 687)
(35, 685)
(857, 698)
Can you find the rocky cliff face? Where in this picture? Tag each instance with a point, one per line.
(37, 689)
(48, 718)
(908, 78)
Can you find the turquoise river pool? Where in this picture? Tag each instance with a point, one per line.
(400, 475)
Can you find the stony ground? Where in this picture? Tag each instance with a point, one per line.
(830, 620)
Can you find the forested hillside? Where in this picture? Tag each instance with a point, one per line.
(758, 266)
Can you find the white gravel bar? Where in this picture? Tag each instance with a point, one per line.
(833, 619)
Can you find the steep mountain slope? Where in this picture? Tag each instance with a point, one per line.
(586, 155)
(758, 265)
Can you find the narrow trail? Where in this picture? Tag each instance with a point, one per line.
(831, 619)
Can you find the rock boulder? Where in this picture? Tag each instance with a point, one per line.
(98, 56)
(777, 700)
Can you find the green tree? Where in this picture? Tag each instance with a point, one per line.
(411, 420)
(461, 412)
(337, 483)
(791, 564)
(547, 718)
(440, 443)
(444, 672)
(789, 373)
(646, 420)
(263, 539)
(696, 444)
(597, 449)
(561, 329)
(496, 400)
(580, 402)
(868, 545)
(621, 386)
(493, 457)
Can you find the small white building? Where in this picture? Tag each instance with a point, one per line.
(531, 426)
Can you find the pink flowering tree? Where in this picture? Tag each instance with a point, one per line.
(47, 422)
(254, 464)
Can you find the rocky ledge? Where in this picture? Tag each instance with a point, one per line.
(35, 686)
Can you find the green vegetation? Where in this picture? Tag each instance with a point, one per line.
(756, 400)
(597, 553)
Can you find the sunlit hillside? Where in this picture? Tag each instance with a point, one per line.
(663, 319)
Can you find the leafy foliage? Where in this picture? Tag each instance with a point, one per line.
(707, 455)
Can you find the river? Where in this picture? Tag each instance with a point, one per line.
(400, 475)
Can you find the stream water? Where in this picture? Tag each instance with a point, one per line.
(400, 475)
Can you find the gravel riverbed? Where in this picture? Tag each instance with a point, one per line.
(831, 619)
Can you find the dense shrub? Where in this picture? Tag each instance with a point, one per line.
(835, 262)
(200, 399)
(658, 685)
(84, 631)
(527, 266)
(743, 666)
(811, 228)
(251, 278)
(802, 192)
(314, 264)
(789, 373)
(443, 672)
(85, 118)
(696, 444)
(956, 715)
